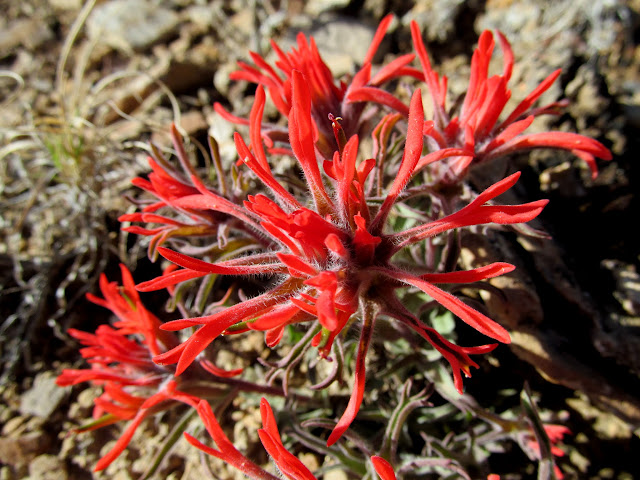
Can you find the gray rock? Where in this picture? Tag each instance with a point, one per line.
(316, 7)
(43, 398)
(30, 33)
(590, 25)
(20, 450)
(67, 5)
(436, 18)
(47, 467)
(333, 36)
(130, 25)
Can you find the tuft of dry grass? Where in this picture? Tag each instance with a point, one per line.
(63, 172)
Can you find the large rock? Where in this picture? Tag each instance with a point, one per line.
(43, 398)
(130, 25)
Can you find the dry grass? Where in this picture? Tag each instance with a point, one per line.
(63, 172)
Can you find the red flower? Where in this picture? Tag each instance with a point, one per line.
(171, 187)
(289, 465)
(555, 434)
(114, 356)
(163, 399)
(477, 126)
(225, 449)
(121, 362)
(336, 256)
(342, 100)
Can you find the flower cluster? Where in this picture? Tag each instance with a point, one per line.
(335, 252)
(343, 100)
(335, 256)
(120, 359)
(477, 126)
(120, 362)
(288, 464)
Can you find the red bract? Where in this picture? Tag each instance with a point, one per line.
(327, 97)
(112, 354)
(334, 256)
(121, 363)
(383, 469)
(477, 125)
(225, 449)
(171, 187)
(555, 434)
(288, 464)
(166, 397)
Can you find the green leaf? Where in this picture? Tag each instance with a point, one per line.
(443, 321)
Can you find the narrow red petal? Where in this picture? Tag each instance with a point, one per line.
(357, 393)
(220, 110)
(410, 158)
(220, 372)
(564, 140)
(168, 280)
(383, 468)
(121, 443)
(290, 466)
(377, 38)
(507, 52)
(392, 70)
(302, 138)
(525, 104)
(269, 421)
(297, 267)
(377, 95)
(430, 77)
(470, 276)
(222, 268)
(470, 316)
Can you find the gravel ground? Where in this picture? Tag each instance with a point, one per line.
(83, 87)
